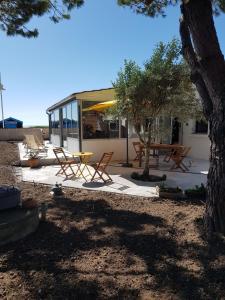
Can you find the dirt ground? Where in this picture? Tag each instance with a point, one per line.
(97, 245)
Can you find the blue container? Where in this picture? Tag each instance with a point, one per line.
(9, 197)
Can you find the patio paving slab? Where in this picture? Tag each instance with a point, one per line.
(122, 182)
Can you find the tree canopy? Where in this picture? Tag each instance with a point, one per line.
(163, 84)
(15, 14)
(153, 8)
(161, 89)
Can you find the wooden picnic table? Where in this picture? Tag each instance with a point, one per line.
(157, 146)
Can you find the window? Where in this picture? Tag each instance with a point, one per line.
(74, 131)
(97, 124)
(70, 121)
(201, 127)
(55, 121)
(123, 128)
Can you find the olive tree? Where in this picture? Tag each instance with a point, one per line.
(162, 87)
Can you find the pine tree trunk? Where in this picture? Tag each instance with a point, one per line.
(215, 206)
(202, 51)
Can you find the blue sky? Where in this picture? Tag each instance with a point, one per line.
(81, 54)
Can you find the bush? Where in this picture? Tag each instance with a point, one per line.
(197, 192)
(151, 178)
(170, 192)
(169, 189)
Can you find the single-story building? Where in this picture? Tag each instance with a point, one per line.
(78, 123)
(11, 123)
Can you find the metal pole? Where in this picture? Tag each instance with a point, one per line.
(127, 164)
(1, 88)
(127, 144)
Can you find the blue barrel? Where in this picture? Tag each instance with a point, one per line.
(9, 197)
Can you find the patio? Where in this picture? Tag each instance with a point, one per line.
(122, 182)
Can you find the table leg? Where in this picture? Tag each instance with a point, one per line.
(85, 161)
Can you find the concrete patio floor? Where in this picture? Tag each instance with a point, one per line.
(47, 158)
(122, 182)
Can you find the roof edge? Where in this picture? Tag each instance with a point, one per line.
(71, 96)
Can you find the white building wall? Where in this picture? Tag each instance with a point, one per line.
(72, 145)
(118, 146)
(199, 143)
(55, 139)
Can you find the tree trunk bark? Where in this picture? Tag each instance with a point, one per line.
(202, 51)
(215, 205)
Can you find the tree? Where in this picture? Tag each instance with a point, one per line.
(162, 86)
(15, 14)
(201, 49)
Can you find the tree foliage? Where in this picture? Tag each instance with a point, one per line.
(162, 87)
(15, 14)
(154, 8)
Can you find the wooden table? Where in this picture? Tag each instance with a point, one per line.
(160, 147)
(84, 160)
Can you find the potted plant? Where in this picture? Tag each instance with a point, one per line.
(170, 192)
(57, 190)
(198, 192)
(33, 160)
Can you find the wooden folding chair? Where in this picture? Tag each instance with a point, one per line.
(137, 150)
(168, 155)
(178, 156)
(65, 163)
(100, 167)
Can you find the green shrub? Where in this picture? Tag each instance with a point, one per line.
(151, 178)
(198, 191)
(168, 189)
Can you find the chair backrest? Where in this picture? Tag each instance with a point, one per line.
(180, 153)
(60, 154)
(186, 151)
(136, 146)
(105, 160)
(30, 141)
(39, 140)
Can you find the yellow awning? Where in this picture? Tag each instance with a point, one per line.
(101, 106)
(97, 95)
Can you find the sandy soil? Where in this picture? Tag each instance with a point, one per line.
(97, 245)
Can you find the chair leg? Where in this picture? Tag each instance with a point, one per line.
(184, 166)
(136, 158)
(63, 170)
(101, 176)
(178, 165)
(94, 175)
(108, 176)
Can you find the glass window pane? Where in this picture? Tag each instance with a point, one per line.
(55, 121)
(68, 107)
(201, 126)
(98, 124)
(74, 129)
